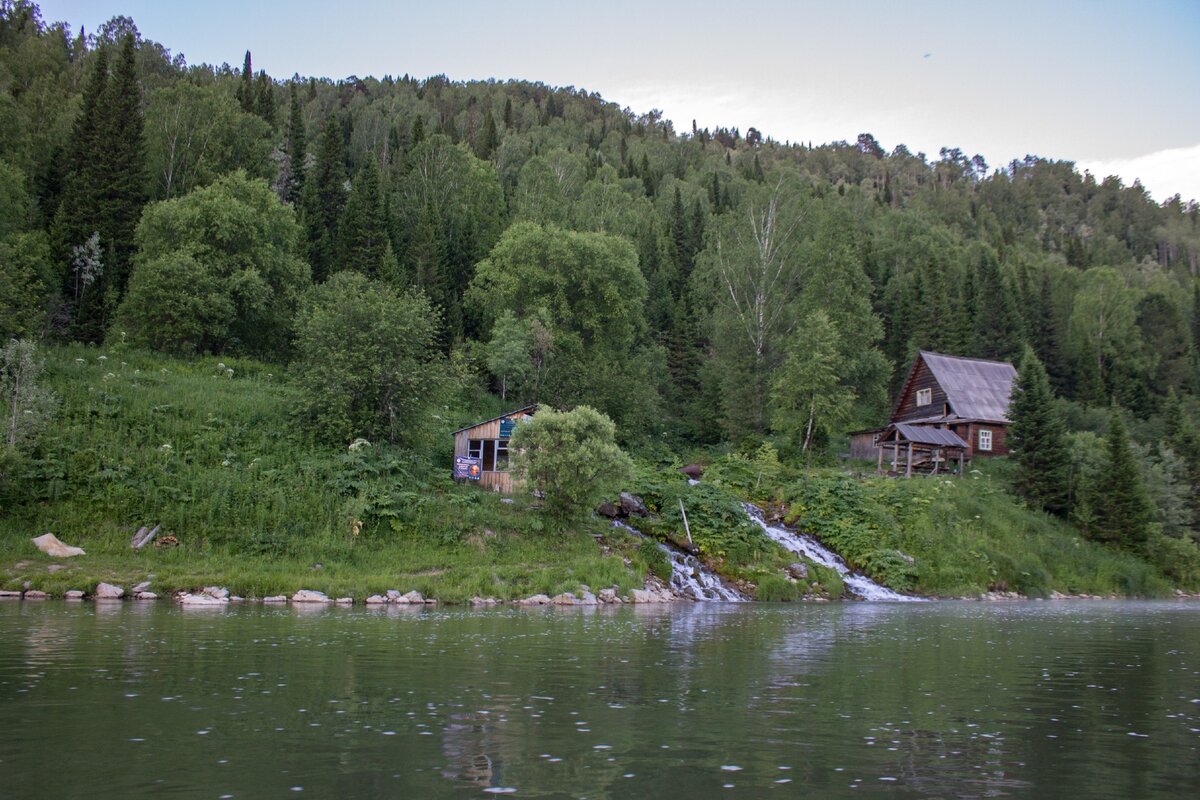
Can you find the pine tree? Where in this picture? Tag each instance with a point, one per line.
(1037, 440)
(680, 234)
(75, 220)
(646, 175)
(362, 234)
(418, 132)
(695, 237)
(245, 90)
(296, 152)
(508, 114)
(1120, 509)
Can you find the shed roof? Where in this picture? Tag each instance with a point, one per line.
(923, 434)
(975, 388)
(529, 409)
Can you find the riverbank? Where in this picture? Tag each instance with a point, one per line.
(204, 449)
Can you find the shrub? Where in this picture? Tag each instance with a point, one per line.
(775, 588)
(571, 458)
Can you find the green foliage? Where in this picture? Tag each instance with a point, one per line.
(955, 537)
(25, 406)
(1037, 440)
(216, 271)
(366, 362)
(570, 458)
(26, 281)
(657, 562)
(1120, 508)
(808, 395)
(775, 588)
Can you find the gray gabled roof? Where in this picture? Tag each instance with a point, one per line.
(976, 389)
(923, 434)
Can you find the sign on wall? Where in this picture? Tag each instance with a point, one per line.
(506, 428)
(467, 469)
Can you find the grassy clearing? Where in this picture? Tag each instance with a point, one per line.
(205, 449)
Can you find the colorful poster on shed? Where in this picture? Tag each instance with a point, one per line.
(467, 469)
(506, 427)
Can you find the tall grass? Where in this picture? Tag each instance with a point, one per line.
(205, 449)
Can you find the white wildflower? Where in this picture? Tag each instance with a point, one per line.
(79, 361)
(166, 447)
(229, 373)
(358, 444)
(102, 358)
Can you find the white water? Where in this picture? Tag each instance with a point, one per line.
(689, 577)
(810, 548)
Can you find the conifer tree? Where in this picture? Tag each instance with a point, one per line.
(418, 132)
(508, 113)
(245, 90)
(997, 326)
(325, 197)
(1120, 509)
(75, 222)
(296, 152)
(646, 175)
(264, 98)
(487, 139)
(362, 234)
(1037, 440)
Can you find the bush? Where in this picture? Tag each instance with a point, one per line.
(366, 360)
(657, 561)
(571, 458)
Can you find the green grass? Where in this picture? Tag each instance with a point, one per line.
(142, 439)
(950, 537)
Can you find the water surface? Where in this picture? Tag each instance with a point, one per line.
(1086, 699)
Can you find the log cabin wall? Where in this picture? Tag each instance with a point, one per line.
(921, 378)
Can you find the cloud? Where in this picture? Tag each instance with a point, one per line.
(1164, 173)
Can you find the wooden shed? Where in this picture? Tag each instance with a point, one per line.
(481, 450)
(920, 449)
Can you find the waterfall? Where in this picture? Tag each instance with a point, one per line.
(810, 548)
(689, 577)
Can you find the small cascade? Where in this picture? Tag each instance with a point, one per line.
(689, 577)
(810, 548)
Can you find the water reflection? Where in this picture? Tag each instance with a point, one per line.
(940, 700)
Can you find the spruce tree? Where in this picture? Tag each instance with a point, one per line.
(325, 197)
(1037, 440)
(75, 220)
(418, 132)
(488, 138)
(264, 98)
(245, 90)
(1120, 509)
(296, 152)
(997, 326)
(362, 234)
(508, 113)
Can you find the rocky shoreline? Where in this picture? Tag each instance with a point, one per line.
(654, 592)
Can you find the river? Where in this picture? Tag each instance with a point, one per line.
(694, 700)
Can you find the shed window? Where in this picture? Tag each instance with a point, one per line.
(492, 453)
(924, 397)
(985, 440)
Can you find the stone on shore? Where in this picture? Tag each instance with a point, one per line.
(108, 591)
(632, 505)
(536, 600)
(145, 596)
(587, 599)
(35, 594)
(565, 599)
(49, 544)
(310, 596)
(73, 594)
(144, 586)
(219, 592)
(609, 596)
(484, 601)
(10, 593)
(275, 599)
(393, 595)
(413, 598)
(344, 601)
(643, 596)
(376, 600)
(188, 599)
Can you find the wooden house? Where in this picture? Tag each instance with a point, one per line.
(967, 397)
(481, 450)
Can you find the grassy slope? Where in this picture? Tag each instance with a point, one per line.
(142, 440)
(952, 537)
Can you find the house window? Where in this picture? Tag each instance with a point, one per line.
(492, 453)
(475, 448)
(985, 440)
(924, 397)
(502, 455)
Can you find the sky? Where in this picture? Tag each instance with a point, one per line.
(1110, 85)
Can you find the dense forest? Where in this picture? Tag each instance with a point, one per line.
(703, 288)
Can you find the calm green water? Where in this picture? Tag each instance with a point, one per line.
(932, 700)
